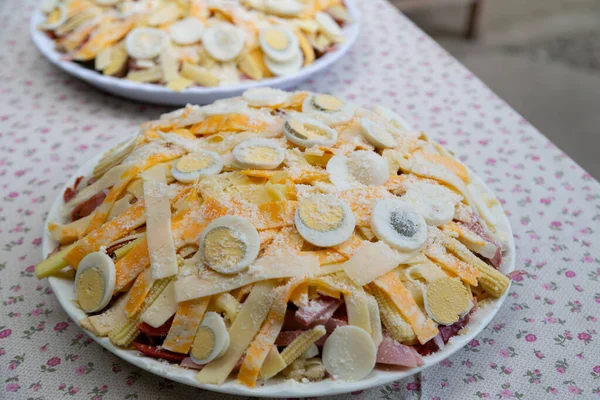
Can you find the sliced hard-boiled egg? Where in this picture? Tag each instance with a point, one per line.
(265, 97)
(223, 41)
(376, 134)
(398, 224)
(286, 68)
(258, 154)
(307, 132)
(229, 244)
(279, 43)
(186, 31)
(358, 168)
(95, 281)
(211, 340)
(284, 8)
(447, 300)
(194, 165)
(56, 17)
(329, 27)
(324, 220)
(349, 353)
(145, 43)
(328, 109)
(434, 202)
(400, 123)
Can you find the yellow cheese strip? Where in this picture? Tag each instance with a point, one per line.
(375, 319)
(119, 227)
(131, 265)
(70, 232)
(361, 201)
(330, 256)
(373, 260)
(162, 309)
(138, 292)
(424, 328)
(437, 252)
(103, 324)
(331, 269)
(105, 36)
(242, 331)
(272, 365)
(185, 324)
(349, 247)
(287, 239)
(101, 213)
(227, 122)
(357, 307)
(136, 188)
(284, 265)
(300, 295)
(163, 258)
(262, 344)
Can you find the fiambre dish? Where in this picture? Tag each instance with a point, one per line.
(279, 234)
(186, 43)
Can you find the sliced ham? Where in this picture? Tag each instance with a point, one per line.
(391, 352)
(157, 352)
(334, 323)
(87, 207)
(188, 363)
(446, 332)
(71, 192)
(318, 311)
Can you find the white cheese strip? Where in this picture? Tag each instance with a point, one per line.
(109, 179)
(163, 258)
(285, 265)
(376, 330)
(162, 309)
(373, 260)
(358, 310)
(120, 206)
(103, 324)
(242, 331)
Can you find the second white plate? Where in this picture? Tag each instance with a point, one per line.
(158, 94)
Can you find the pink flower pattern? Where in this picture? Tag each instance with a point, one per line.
(542, 344)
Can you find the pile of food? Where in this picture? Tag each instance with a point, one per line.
(183, 43)
(279, 234)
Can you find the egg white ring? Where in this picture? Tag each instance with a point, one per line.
(381, 225)
(108, 271)
(278, 7)
(370, 129)
(233, 49)
(341, 175)
(192, 176)
(190, 26)
(63, 18)
(247, 234)
(289, 67)
(222, 339)
(330, 238)
(328, 25)
(344, 115)
(280, 56)
(145, 53)
(238, 154)
(333, 136)
(265, 97)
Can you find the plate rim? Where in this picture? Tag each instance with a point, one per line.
(46, 46)
(281, 388)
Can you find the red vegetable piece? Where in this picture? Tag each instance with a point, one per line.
(87, 207)
(155, 352)
(150, 331)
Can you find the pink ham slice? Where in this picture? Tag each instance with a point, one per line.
(188, 363)
(318, 311)
(391, 352)
(286, 337)
(480, 231)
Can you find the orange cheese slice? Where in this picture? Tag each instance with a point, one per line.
(188, 318)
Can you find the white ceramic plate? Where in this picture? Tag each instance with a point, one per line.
(63, 288)
(159, 94)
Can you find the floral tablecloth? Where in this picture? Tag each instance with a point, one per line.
(543, 343)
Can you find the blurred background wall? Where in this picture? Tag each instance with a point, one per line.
(541, 56)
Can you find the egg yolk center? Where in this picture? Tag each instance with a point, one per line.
(90, 288)
(305, 132)
(403, 224)
(194, 162)
(276, 39)
(447, 298)
(326, 102)
(320, 215)
(223, 248)
(204, 343)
